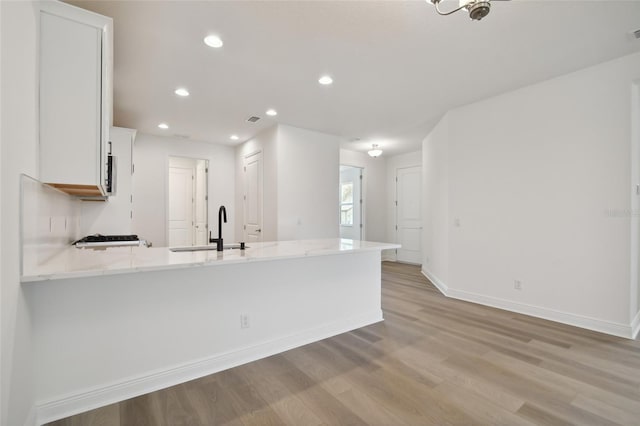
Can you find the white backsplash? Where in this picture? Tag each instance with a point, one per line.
(50, 222)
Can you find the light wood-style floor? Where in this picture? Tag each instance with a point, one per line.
(432, 361)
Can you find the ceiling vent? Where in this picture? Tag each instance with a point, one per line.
(636, 34)
(253, 119)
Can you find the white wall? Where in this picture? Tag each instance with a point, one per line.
(18, 147)
(308, 176)
(536, 178)
(151, 158)
(375, 192)
(635, 207)
(410, 159)
(435, 207)
(301, 175)
(265, 142)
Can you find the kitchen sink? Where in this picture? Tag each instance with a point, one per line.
(210, 247)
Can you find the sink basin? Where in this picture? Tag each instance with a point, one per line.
(210, 247)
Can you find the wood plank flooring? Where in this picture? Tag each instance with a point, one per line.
(433, 361)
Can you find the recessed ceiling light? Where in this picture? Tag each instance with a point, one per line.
(213, 41)
(325, 80)
(234, 137)
(271, 112)
(181, 91)
(163, 126)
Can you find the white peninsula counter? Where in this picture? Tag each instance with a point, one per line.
(121, 322)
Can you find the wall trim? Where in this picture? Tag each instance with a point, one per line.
(635, 326)
(440, 285)
(89, 399)
(387, 256)
(31, 417)
(602, 326)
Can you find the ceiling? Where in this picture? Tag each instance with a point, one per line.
(397, 65)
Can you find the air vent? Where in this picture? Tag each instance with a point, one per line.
(636, 34)
(253, 119)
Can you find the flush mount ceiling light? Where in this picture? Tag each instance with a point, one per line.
(213, 41)
(375, 151)
(163, 126)
(271, 112)
(477, 9)
(234, 137)
(181, 91)
(325, 80)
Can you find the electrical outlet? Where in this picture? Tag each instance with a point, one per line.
(517, 284)
(244, 321)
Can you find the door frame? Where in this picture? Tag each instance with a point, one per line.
(395, 211)
(363, 198)
(167, 195)
(244, 193)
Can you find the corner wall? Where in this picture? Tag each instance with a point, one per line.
(308, 181)
(435, 199)
(539, 182)
(300, 183)
(150, 179)
(19, 152)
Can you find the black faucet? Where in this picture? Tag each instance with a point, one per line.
(222, 213)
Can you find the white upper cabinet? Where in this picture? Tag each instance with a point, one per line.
(75, 98)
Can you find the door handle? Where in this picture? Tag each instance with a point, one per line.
(258, 230)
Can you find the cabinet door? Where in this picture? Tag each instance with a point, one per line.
(75, 96)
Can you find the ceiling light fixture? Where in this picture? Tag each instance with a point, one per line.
(234, 137)
(271, 112)
(181, 91)
(213, 41)
(477, 9)
(325, 80)
(375, 151)
(163, 126)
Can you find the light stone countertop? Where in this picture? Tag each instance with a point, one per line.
(76, 263)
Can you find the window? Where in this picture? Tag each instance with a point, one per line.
(346, 204)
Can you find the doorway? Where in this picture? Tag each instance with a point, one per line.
(188, 202)
(253, 198)
(408, 214)
(351, 206)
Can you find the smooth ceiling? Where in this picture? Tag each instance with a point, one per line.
(397, 65)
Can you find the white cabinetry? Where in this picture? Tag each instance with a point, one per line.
(75, 98)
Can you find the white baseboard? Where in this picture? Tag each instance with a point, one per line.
(635, 326)
(444, 289)
(602, 326)
(90, 399)
(388, 257)
(31, 418)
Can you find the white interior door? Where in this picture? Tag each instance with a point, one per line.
(201, 227)
(350, 202)
(408, 214)
(181, 190)
(253, 197)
